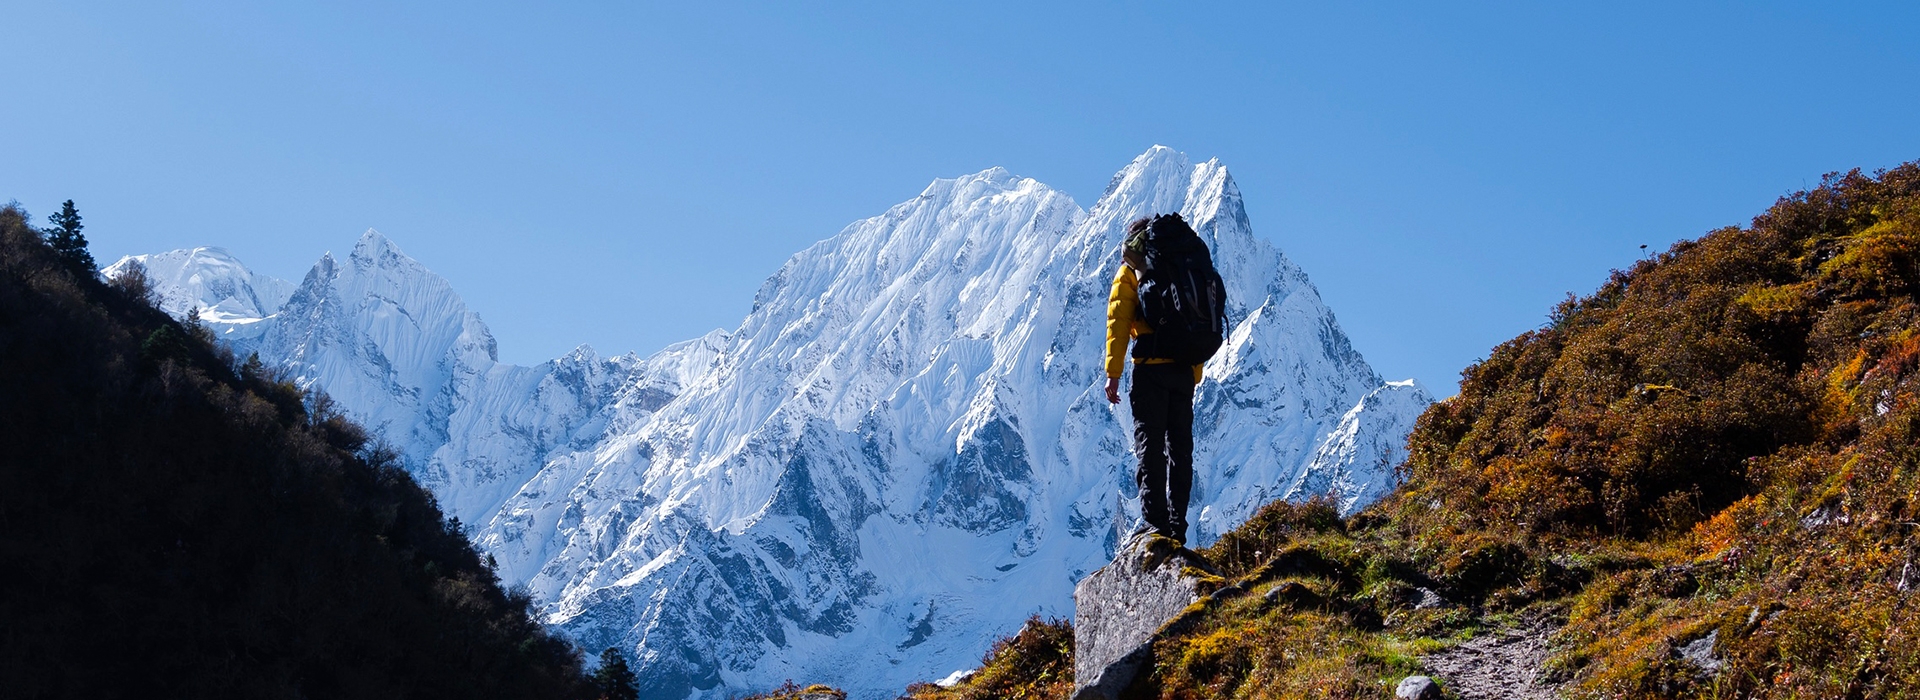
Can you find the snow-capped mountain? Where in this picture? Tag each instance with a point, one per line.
(901, 453)
(227, 296)
(396, 347)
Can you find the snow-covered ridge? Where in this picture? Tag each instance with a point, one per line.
(212, 283)
(899, 455)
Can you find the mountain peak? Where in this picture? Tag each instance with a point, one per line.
(995, 173)
(210, 281)
(214, 252)
(1159, 181)
(374, 247)
(987, 182)
(1159, 159)
(1158, 151)
(377, 257)
(374, 241)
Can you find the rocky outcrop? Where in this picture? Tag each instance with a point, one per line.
(1119, 609)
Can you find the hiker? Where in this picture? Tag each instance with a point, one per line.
(1168, 300)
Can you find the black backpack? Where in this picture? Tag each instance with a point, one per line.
(1181, 296)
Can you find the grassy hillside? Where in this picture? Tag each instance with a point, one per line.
(180, 525)
(1720, 443)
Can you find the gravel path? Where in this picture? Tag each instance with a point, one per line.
(1498, 665)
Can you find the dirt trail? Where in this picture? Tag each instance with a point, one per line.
(1499, 665)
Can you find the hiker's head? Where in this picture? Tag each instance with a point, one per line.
(1134, 249)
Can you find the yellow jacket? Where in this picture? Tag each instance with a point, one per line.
(1124, 324)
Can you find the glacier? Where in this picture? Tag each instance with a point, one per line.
(900, 454)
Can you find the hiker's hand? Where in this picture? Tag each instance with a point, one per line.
(1113, 390)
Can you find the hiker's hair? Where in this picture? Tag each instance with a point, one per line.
(1133, 248)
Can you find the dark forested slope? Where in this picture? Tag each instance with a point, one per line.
(174, 525)
(1702, 480)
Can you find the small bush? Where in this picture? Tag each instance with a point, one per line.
(1270, 529)
(1035, 664)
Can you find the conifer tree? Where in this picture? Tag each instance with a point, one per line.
(253, 368)
(614, 679)
(66, 239)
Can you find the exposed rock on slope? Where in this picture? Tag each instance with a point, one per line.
(1119, 609)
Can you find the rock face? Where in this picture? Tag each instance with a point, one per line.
(900, 454)
(1699, 653)
(1119, 609)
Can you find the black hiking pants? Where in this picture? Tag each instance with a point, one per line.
(1162, 403)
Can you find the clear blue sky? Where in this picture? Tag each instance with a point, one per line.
(625, 174)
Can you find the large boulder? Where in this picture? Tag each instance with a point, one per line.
(1119, 609)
